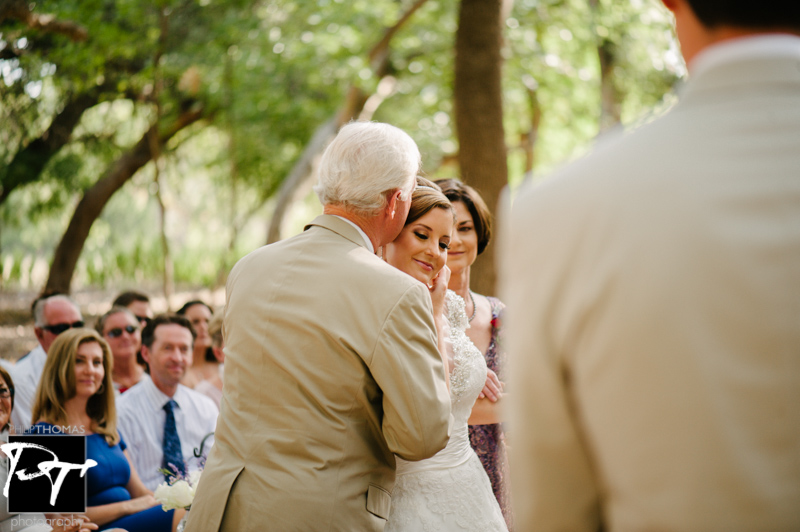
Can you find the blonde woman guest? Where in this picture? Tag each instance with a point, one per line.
(212, 386)
(472, 235)
(28, 522)
(76, 391)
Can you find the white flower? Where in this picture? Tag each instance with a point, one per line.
(177, 495)
(194, 478)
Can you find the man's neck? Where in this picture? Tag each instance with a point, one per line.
(167, 389)
(370, 226)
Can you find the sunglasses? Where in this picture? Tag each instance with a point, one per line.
(116, 333)
(61, 327)
(144, 320)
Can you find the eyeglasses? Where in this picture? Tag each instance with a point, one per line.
(5, 393)
(144, 320)
(61, 327)
(116, 333)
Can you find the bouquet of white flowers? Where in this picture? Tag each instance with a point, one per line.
(178, 492)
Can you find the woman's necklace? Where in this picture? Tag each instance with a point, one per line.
(474, 307)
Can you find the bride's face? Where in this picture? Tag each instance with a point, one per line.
(421, 248)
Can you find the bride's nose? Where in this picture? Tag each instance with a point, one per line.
(433, 248)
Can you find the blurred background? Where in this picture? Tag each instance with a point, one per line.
(151, 144)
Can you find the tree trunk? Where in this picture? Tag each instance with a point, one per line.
(610, 96)
(95, 198)
(28, 163)
(482, 150)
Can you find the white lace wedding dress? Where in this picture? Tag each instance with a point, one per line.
(450, 491)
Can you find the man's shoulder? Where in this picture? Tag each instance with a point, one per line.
(29, 365)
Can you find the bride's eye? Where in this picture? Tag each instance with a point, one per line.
(421, 236)
(444, 246)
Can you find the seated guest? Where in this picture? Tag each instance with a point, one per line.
(28, 522)
(8, 520)
(76, 391)
(120, 328)
(52, 315)
(136, 302)
(204, 364)
(212, 387)
(162, 420)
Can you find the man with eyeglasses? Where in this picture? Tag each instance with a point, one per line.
(52, 315)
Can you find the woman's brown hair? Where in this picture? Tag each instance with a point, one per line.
(57, 385)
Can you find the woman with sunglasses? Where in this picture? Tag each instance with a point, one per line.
(76, 392)
(120, 328)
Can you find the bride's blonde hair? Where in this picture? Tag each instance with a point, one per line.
(427, 196)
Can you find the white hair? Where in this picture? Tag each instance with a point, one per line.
(38, 308)
(364, 162)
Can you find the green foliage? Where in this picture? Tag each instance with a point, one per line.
(267, 74)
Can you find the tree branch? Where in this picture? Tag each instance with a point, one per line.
(20, 10)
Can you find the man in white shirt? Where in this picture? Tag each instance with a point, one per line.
(653, 293)
(159, 412)
(52, 315)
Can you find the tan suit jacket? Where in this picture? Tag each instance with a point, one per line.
(331, 369)
(653, 293)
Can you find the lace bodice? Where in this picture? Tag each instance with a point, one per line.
(467, 377)
(468, 372)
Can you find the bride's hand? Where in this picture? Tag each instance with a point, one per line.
(438, 290)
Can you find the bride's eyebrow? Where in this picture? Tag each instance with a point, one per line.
(424, 227)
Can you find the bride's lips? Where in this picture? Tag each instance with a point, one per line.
(424, 265)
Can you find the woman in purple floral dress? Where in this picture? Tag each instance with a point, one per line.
(473, 232)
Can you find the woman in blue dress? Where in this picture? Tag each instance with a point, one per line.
(76, 396)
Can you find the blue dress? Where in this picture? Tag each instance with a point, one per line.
(106, 483)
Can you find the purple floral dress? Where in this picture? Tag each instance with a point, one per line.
(489, 440)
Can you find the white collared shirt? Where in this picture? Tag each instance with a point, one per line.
(755, 47)
(360, 231)
(26, 374)
(141, 418)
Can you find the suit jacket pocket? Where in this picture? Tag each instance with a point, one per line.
(379, 501)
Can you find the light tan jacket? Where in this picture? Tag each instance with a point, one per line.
(653, 320)
(331, 369)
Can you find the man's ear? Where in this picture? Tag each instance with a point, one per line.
(391, 204)
(145, 354)
(39, 332)
(672, 5)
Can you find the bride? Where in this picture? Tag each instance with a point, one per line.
(449, 491)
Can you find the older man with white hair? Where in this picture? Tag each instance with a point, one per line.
(331, 365)
(52, 315)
